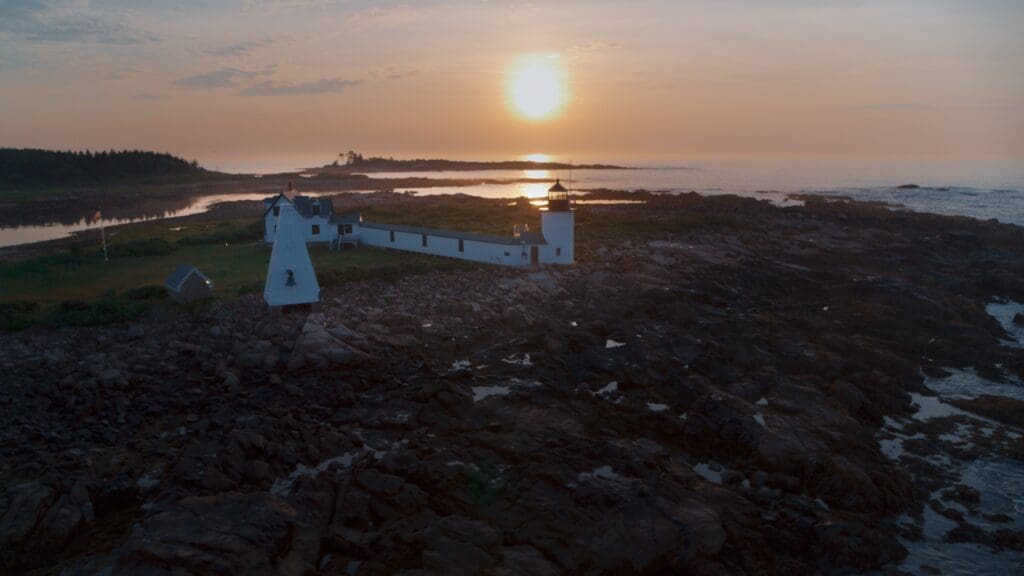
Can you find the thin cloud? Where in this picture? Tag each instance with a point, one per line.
(888, 106)
(393, 73)
(322, 86)
(268, 6)
(240, 48)
(401, 75)
(20, 10)
(45, 22)
(378, 18)
(591, 47)
(223, 78)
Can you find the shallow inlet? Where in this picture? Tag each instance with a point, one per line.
(14, 235)
(983, 198)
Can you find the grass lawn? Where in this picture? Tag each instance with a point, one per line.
(235, 269)
(75, 285)
(78, 287)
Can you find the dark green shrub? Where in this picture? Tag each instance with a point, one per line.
(150, 247)
(228, 232)
(19, 307)
(150, 292)
(249, 288)
(104, 311)
(73, 306)
(18, 315)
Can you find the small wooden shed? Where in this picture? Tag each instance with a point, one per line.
(187, 284)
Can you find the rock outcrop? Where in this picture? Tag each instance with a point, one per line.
(704, 392)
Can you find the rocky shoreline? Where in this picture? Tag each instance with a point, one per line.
(719, 386)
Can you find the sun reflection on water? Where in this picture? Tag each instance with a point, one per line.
(533, 189)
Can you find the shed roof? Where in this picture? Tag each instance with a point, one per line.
(180, 274)
(524, 238)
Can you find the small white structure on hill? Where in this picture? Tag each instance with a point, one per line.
(553, 244)
(290, 276)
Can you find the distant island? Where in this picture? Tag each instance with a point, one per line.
(31, 168)
(355, 162)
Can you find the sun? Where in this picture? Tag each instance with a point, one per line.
(537, 157)
(536, 89)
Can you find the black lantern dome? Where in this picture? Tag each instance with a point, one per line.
(558, 198)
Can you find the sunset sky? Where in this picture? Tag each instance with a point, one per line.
(261, 80)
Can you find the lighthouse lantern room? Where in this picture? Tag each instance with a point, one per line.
(556, 223)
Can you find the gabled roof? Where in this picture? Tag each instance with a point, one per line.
(177, 278)
(303, 204)
(346, 218)
(524, 238)
(272, 201)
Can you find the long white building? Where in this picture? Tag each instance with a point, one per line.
(552, 244)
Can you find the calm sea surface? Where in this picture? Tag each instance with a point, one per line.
(979, 190)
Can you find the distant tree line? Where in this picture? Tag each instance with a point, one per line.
(354, 159)
(30, 167)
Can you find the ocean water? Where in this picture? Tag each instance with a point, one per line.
(998, 194)
(998, 479)
(979, 190)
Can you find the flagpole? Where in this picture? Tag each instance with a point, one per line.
(103, 234)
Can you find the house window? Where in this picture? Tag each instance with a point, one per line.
(316, 229)
(392, 235)
(424, 239)
(462, 247)
(341, 229)
(558, 251)
(506, 253)
(277, 210)
(316, 210)
(348, 228)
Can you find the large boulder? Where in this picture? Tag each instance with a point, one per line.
(612, 524)
(22, 507)
(524, 561)
(459, 545)
(317, 349)
(1007, 410)
(223, 534)
(649, 533)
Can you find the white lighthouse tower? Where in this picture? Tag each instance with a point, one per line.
(556, 223)
(291, 279)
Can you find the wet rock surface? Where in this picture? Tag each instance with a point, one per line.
(710, 390)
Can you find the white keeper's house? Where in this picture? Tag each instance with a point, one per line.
(552, 244)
